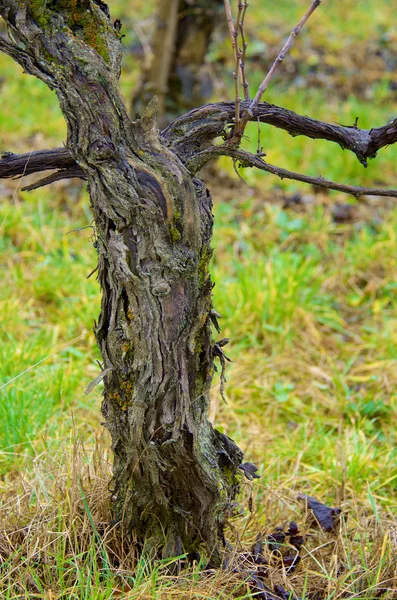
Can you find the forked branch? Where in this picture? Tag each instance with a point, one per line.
(250, 112)
(192, 132)
(246, 159)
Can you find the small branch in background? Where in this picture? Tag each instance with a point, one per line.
(145, 43)
(239, 131)
(287, 46)
(234, 37)
(247, 159)
(244, 45)
(57, 176)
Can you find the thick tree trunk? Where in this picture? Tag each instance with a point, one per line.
(175, 477)
(177, 73)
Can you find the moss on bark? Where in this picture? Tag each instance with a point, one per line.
(80, 16)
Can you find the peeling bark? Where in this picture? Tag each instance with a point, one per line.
(174, 477)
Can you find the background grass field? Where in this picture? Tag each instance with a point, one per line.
(306, 288)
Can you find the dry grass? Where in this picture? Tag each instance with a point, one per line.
(56, 541)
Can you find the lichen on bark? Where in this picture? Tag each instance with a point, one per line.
(82, 17)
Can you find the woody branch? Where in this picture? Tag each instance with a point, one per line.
(203, 124)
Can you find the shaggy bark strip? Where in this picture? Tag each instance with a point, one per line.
(174, 476)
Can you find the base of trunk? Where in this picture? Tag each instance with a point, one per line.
(179, 493)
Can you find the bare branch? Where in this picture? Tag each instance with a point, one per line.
(18, 165)
(12, 165)
(247, 159)
(239, 53)
(190, 133)
(205, 123)
(244, 45)
(381, 137)
(237, 56)
(57, 176)
(263, 86)
(236, 75)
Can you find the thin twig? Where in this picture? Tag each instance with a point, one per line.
(234, 37)
(69, 343)
(244, 45)
(144, 41)
(238, 56)
(259, 147)
(248, 159)
(357, 191)
(263, 86)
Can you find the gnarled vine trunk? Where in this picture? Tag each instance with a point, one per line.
(175, 477)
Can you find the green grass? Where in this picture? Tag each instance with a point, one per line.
(309, 306)
(310, 309)
(48, 307)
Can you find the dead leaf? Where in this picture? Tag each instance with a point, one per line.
(249, 470)
(325, 516)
